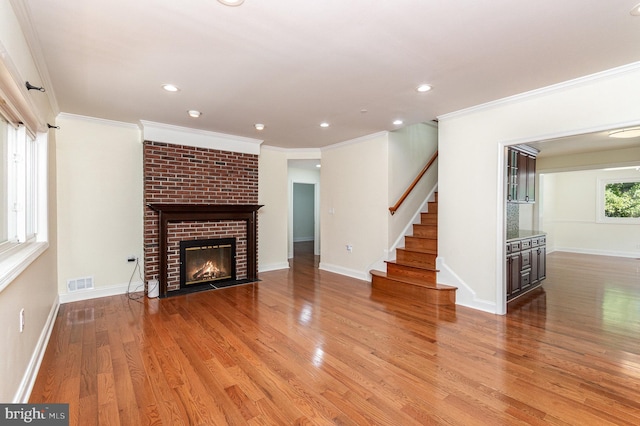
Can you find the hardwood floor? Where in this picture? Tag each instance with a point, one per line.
(305, 346)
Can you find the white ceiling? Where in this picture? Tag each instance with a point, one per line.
(291, 64)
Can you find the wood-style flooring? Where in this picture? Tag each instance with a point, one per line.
(304, 346)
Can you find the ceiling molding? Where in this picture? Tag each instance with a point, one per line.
(112, 123)
(543, 91)
(159, 132)
(356, 140)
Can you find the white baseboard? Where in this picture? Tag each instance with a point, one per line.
(465, 296)
(94, 293)
(597, 252)
(273, 267)
(302, 239)
(359, 275)
(30, 374)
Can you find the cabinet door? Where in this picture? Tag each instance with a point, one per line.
(531, 179)
(522, 177)
(526, 178)
(542, 262)
(512, 175)
(513, 275)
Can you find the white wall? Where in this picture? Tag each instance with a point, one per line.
(571, 215)
(410, 149)
(471, 163)
(354, 205)
(273, 216)
(100, 204)
(35, 288)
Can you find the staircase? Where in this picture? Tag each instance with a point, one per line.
(413, 274)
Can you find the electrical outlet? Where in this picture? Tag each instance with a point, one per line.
(21, 320)
(349, 248)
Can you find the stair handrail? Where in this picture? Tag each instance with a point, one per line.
(395, 207)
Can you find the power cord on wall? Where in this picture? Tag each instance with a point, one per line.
(137, 289)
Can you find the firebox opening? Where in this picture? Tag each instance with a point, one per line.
(207, 262)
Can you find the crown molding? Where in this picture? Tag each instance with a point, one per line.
(112, 123)
(166, 133)
(356, 140)
(613, 72)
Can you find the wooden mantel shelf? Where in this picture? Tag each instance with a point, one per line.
(203, 212)
(204, 208)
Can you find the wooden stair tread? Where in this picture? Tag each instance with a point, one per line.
(413, 281)
(411, 264)
(418, 250)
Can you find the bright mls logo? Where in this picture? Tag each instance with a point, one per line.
(36, 414)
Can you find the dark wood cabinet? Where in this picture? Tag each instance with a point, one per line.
(521, 174)
(525, 264)
(513, 275)
(512, 175)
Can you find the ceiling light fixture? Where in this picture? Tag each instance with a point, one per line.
(636, 10)
(231, 2)
(318, 165)
(259, 126)
(170, 87)
(324, 124)
(423, 88)
(194, 113)
(625, 133)
(397, 122)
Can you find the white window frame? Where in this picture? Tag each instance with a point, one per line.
(600, 204)
(27, 227)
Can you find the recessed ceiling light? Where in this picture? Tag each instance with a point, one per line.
(231, 2)
(397, 122)
(170, 87)
(636, 10)
(194, 113)
(324, 124)
(625, 133)
(259, 126)
(423, 88)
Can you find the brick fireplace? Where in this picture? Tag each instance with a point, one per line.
(194, 193)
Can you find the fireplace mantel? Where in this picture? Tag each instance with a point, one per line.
(204, 212)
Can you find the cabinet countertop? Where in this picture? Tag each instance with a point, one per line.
(523, 233)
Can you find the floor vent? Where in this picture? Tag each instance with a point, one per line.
(80, 284)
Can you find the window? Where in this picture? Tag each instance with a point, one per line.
(22, 199)
(23, 175)
(619, 200)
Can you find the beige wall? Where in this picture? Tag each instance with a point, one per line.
(471, 183)
(100, 204)
(570, 215)
(35, 288)
(272, 217)
(353, 205)
(410, 149)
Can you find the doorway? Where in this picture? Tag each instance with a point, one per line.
(303, 226)
(304, 206)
